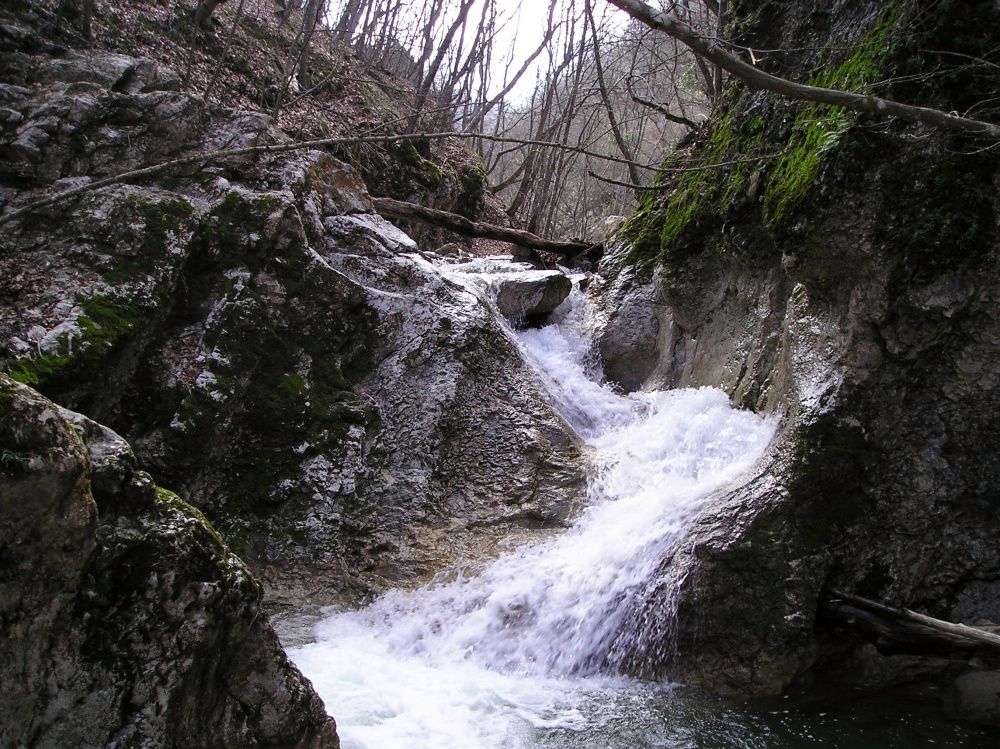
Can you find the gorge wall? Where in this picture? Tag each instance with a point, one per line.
(296, 387)
(325, 405)
(842, 272)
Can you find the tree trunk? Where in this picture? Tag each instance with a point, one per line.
(465, 227)
(428, 78)
(203, 13)
(896, 631)
(616, 130)
(349, 18)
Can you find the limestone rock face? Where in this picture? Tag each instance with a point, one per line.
(531, 295)
(124, 618)
(866, 319)
(273, 350)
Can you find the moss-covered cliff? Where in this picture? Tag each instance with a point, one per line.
(841, 272)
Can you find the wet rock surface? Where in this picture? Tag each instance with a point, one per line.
(529, 297)
(870, 327)
(125, 620)
(274, 351)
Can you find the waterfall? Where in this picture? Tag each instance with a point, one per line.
(527, 647)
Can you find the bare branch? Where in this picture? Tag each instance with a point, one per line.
(208, 156)
(756, 78)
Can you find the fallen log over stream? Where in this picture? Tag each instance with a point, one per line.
(466, 227)
(897, 631)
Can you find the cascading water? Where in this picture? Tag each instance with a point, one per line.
(516, 652)
(524, 652)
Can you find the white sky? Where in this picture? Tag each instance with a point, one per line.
(525, 35)
(530, 28)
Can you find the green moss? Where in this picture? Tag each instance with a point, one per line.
(668, 225)
(13, 464)
(472, 186)
(292, 386)
(237, 232)
(104, 324)
(39, 369)
(163, 221)
(818, 128)
(169, 499)
(420, 169)
(654, 230)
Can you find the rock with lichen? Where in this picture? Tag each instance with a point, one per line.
(124, 617)
(272, 348)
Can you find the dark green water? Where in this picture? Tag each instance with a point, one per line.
(675, 719)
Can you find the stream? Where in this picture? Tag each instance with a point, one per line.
(524, 652)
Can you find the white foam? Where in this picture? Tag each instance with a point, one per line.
(517, 651)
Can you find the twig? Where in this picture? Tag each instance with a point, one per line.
(675, 169)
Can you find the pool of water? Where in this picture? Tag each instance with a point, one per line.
(524, 652)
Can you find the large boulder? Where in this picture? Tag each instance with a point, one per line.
(273, 349)
(530, 296)
(124, 618)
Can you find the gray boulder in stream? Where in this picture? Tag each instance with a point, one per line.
(530, 296)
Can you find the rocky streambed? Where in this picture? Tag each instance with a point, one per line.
(237, 389)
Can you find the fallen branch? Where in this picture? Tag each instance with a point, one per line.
(710, 49)
(461, 225)
(209, 156)
(896, 631)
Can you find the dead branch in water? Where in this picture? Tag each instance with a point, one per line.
(897, 631)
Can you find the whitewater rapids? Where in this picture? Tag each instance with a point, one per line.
(522, 654)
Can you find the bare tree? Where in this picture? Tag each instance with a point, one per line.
(428, 79)
(602, 84)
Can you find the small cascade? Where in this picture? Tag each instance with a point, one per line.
(529, 646)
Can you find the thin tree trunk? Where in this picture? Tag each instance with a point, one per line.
(428, 79)
(623, 146)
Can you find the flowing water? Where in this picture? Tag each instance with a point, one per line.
(523, 652)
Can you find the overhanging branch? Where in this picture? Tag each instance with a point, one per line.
(206, 157)
(710, 49)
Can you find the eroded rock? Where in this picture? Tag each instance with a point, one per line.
(124, 618)
(272, 348)
(866, 320)
(530, 296)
